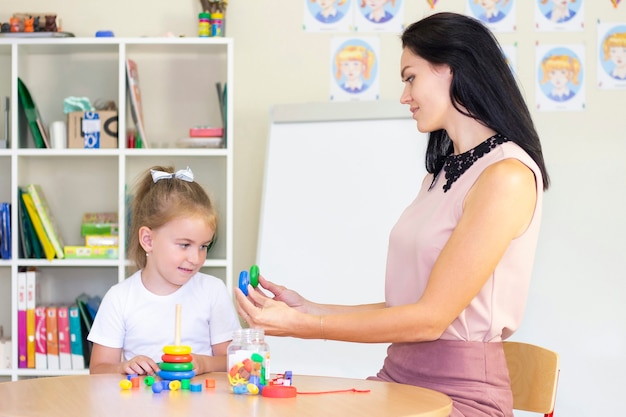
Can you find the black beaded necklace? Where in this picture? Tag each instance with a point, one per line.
(455, 165)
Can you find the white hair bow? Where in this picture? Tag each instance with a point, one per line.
(181, 174)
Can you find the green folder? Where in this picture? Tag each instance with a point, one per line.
(32, 114)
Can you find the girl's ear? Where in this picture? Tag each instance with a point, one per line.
(145, 238)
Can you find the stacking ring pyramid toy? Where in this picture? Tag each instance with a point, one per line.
(176, 358)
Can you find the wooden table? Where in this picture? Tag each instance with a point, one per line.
(100, 395)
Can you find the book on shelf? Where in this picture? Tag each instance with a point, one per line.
(99, 223)
(5, 230)
(33, 117)
(31, 301)
(81, 303)
(47, 219)
(52, 338)
(223, 103)
(76, 338)
(102, 240)
(134, 95)
(28, 236)
(24, 246)
(91, 252)
(86, 321)
(46, 245)
(21, 320)
(60, 338)
(63, 328)
(41, 351)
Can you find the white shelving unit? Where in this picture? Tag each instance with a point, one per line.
(178, 78)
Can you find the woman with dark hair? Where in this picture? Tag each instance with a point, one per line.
(460, 256)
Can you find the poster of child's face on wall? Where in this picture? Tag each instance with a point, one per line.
(328, 15)
(497, 15)
(611, 56)
(559, 15)
(354, 68)
(560, 77)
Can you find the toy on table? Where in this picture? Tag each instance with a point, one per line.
(252, 279)
(176, 358)
(176, 370)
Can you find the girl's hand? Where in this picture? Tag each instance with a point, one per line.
(140, 365)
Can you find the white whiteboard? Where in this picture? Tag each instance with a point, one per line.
(337, 176)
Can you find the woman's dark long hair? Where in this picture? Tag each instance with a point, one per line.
(483, 86)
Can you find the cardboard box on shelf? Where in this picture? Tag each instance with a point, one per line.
(92, 130)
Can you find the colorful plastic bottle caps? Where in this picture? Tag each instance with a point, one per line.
(177, 350)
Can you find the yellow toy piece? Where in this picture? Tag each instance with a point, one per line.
(125, 384)
(177, 350)
(175, 385)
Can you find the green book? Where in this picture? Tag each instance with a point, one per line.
(47, 219)
(30, 236)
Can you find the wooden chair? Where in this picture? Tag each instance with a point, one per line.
(534, 373)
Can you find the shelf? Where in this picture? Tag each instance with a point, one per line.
(177, 78)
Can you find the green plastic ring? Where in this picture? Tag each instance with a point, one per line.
(254, 276)
(176, 366)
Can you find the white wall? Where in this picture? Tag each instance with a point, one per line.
(577, 301)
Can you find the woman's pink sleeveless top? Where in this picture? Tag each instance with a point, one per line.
(424, 228)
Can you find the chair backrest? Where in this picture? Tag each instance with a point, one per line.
(534, 373)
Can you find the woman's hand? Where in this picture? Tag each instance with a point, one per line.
(284, 294)
(276, 318)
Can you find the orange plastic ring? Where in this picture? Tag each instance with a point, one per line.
(176, 358)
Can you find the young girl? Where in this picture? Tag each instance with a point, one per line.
(173, 226)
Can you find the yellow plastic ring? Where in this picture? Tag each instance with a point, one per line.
(177, 350)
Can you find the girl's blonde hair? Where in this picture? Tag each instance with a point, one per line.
(356, 53)
(156, 203)
(561, 62)
(611, 41)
